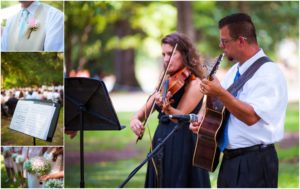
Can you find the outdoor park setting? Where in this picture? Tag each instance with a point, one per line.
(119, 42)
(30, 76)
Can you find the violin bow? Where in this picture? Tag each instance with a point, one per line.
(159, 88)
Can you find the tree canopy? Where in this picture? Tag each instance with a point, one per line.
(31, 69)
(118, 37)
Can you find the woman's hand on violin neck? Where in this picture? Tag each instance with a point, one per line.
(163, 103)
(158, 99)
(137, 126)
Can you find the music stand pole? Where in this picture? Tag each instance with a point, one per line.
(81, 95)
(151, 154)
(82, 108)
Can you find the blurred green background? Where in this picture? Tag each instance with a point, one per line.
(123, 38)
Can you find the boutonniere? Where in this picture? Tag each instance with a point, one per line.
(33, 25)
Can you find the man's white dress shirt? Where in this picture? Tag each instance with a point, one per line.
(266, 92)
(48, 37)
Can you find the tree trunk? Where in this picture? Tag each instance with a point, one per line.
(242, 6)
(184, 19)
(124, 62)
(82, 41)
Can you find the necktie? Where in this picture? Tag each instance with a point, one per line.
(23, 22)
(223, 141)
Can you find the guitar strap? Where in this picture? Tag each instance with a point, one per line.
(236, 86)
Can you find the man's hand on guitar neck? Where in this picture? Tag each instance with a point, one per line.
(211, 87)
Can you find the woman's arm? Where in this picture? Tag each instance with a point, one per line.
(52, 176)
(136, 124)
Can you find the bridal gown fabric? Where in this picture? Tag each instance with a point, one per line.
(33, 180)
(56, 166)
(24, 154)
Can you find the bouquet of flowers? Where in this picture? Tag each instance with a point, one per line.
(27, 166)
(14, 156)
(20, 159)
(40, 166)
(54, 183)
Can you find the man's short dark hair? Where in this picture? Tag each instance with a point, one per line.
(239, 24)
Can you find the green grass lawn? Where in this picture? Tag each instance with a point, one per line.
(113, 173)
(292, 118)
(13, 138)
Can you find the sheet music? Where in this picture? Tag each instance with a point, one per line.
(32, 118)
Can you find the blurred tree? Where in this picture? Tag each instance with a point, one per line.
(88, 35)
(184, 19)
(279, 22)
(111, 34)
(125, 56)
(31, 69)
(116, 36)
(5, 4)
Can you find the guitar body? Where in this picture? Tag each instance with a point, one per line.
(206, 153)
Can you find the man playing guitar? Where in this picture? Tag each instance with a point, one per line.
(257, 111)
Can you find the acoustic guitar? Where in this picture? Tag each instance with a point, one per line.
(207, 153)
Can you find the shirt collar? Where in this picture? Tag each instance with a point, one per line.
(242, 68)
(32, 7)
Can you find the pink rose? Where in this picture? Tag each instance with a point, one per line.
(32, 23)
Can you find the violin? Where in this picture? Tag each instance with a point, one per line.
(159, 89)
(176, 81)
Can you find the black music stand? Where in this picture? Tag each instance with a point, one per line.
(28, 107)
(88, 107)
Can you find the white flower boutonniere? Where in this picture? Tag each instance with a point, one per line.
(33, 25)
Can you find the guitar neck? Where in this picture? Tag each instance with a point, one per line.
(215, 67)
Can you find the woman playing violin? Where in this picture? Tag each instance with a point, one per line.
(172, 166)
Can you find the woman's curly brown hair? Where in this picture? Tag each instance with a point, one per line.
(191, 59)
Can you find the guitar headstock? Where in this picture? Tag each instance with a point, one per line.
(216, 66)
